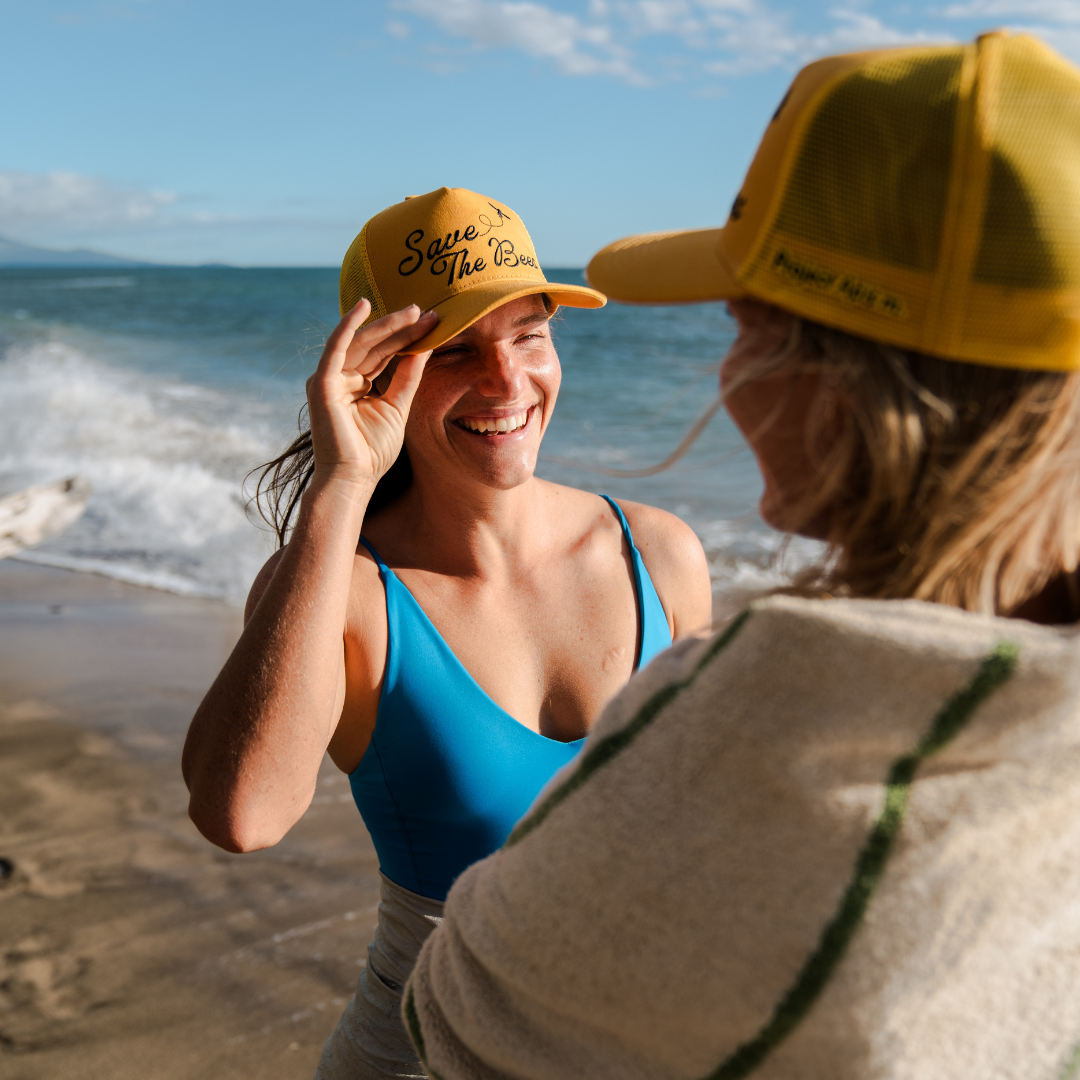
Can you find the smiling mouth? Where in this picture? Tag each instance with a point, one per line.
(502, 425)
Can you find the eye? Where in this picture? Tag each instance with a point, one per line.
(450, 352)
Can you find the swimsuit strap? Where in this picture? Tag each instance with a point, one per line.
(383, 568)
(622, 520)
(654, 635)
(639, 568)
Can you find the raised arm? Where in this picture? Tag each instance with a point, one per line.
(255, 744)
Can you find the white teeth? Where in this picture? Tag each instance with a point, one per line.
(503, 424)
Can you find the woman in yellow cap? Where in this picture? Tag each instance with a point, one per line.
(840, 839)
(452, 655)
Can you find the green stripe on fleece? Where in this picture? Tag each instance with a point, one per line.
(600, 753)
(1071, 1069)
(994, 671)
(412, 1021)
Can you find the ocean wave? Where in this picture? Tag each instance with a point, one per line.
(167, 458)
(87, 283)
(166, 461)
(744, 554)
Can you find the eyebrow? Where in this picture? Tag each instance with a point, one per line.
(535, 317)
(525, 320)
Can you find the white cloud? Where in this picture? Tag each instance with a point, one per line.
(612, 37)
(575, 47)
(1053, 11)
(65, 207)
(1057, 22)
(70, 202)
(857, 30)
(655, 41)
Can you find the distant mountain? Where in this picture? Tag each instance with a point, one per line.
(15, 254)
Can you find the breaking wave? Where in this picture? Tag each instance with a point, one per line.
(166, 461)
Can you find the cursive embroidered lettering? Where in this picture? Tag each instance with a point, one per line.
(447, 255)
(505, 255)
(439, 245)
(414, 253)
(803, 272)
(844, 287)
(456, 261)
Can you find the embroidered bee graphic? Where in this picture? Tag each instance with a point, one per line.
(504, 217)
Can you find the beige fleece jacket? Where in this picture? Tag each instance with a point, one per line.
(840, 840)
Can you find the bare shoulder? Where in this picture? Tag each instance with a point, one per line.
(262, 580)
(365, 578)
(653, 527)
(676, 562)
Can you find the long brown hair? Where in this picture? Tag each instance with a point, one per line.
(281, 483)
(938, 480)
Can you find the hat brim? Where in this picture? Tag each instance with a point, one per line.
(684, 267)
(459, 312)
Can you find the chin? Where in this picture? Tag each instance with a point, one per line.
(778, 516)
(509, 478)
(772, 514)
(782, 519)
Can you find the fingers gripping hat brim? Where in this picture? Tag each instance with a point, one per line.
(684, 267)
(457, 313)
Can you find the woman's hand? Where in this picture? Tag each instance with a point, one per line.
(357, 437)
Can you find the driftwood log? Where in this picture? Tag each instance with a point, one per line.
(34, 514)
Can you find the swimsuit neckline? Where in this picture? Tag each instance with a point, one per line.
(456, 661)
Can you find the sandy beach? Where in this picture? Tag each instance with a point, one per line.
(129, 946)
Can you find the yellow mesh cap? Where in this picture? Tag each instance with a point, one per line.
(928, 197)
(454, 251)
(358, 280)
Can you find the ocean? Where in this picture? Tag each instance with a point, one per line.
(165, 386)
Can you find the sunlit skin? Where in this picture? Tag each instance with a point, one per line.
(772, 413)
(499, 368)
(528, 582)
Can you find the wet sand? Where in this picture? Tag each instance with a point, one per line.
(129, 946)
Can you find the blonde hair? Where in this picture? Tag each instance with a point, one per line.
(937, 480)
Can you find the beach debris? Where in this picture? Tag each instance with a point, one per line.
(7, 868)
(34, 514)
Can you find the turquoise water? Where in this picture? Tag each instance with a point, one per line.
(164, 386)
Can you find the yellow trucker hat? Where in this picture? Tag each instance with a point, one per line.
(460, 253)
(926, 197)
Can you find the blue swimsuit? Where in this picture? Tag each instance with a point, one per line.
(447, 772)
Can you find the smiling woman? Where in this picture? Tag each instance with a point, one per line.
(453, 656)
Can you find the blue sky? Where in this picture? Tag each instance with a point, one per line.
(266, 133)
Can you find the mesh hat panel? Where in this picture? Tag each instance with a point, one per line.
(926, 196)
(1031, 230)
(860, 141)
(358, 279)
(1023, 305)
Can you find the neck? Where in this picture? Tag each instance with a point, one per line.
(467, 529)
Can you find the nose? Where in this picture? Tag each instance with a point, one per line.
(503, 375)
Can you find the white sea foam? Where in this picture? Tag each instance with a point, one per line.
(89, 283)
(745, 555)
(167, 458)
(166, 461)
